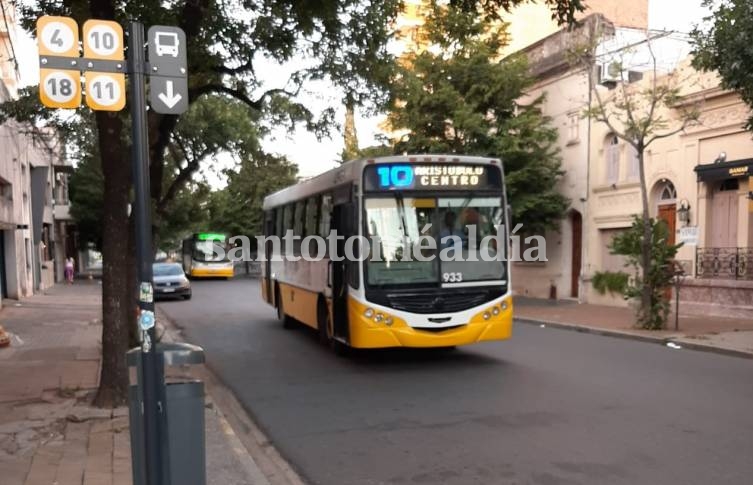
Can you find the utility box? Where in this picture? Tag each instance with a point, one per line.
(184, 450)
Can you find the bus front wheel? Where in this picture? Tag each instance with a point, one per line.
(287, 322)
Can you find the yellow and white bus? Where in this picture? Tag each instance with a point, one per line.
(387, 300)
(200, 260)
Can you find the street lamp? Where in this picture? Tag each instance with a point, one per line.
(683, 213)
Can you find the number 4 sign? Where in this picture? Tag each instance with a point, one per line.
(60, 87)
(105, 91)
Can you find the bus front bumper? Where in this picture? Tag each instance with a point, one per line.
(365, 333)
(212, 272)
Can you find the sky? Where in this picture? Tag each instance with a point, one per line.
(315, 156)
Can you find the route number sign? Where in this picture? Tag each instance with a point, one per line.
(58, 36)
(105, 91)
(59, 88)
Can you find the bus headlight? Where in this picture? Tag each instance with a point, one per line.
(378, 318)
(495, 311)
(388, 320)
(504, 305)
(487, 316)
(368, 313)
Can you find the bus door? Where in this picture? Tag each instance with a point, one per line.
(344, 220)
(187, 254)
(269, 230)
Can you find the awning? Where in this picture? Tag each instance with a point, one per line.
(711, 172)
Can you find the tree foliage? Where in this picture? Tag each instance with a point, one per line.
(725, 45)
(459, 98)
(657, 277)
(237, 209)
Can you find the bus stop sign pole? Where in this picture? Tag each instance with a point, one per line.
(152, 367)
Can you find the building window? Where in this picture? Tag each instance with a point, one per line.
(668, 194)
(573, 124)
(633, 164)
(612, 155)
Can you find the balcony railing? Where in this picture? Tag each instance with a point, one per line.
(724, 263)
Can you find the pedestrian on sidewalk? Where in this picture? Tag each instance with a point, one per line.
(69, 270)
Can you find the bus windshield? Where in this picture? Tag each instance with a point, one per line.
(396, 223)
(204, 251)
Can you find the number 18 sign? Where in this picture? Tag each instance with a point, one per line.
(59, 88)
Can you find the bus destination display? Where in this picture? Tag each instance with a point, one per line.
(431, 177)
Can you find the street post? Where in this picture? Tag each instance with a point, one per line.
(152, 368)
(60, 68)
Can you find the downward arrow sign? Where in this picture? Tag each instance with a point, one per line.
(168, 97)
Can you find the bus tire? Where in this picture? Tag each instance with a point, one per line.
(287, 322)
(323, 326)
(340, 349)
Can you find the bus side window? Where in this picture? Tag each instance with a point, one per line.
(298, 225)
(312, 216)
(325, 214)
(279, 232)
(287, 222)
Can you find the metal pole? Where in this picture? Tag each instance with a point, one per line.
(151, 378)
(677, 303)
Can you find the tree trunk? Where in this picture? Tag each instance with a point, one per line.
(118, 312)
(647, 290)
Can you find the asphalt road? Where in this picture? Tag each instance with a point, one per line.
(547, 407)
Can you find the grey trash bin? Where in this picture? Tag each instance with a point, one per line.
(185, 457)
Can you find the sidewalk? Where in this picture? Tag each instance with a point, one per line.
(731, 336)
(48, 432)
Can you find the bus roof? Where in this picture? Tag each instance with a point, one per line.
(350, 172)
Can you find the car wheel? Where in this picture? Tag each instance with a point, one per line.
(187, 297)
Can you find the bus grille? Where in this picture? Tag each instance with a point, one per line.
(438, 303)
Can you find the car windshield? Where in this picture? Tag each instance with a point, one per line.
(460, 226)
(167, 270)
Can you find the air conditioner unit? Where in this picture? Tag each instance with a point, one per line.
(610, 73)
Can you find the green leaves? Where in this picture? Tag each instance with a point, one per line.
(465, 100)
(237, 209)
(725, 44)
(657, 277)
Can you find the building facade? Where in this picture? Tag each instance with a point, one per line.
(699, 183)
(699, 180)
(33, 174)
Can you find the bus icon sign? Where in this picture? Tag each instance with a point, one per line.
(168, 85)
(166, 44)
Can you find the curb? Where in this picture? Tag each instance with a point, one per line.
(264, 461)
(681, 340)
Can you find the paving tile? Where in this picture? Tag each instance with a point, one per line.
(14, 472)
(43, 467)
(70, 472)
(97, 478)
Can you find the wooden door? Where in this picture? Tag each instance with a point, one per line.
(724, 219)
(577, 226)
(668, 213)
